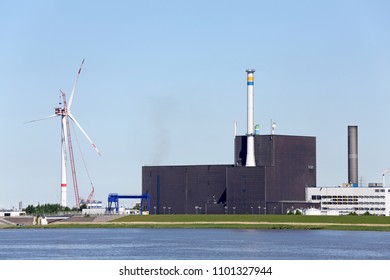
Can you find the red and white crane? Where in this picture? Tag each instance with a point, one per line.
(66, 144)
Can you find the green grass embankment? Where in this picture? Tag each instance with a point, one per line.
(373, 223)
(367, 223)
(257, 218)
(377, 223)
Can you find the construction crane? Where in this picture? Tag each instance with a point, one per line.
(66, 142)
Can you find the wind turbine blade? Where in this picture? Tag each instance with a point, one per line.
(49, 117)
(74, 86)
(82, 130)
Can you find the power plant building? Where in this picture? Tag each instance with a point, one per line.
(269, 175)
(284, 166)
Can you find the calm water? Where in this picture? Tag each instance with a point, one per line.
(115, 244)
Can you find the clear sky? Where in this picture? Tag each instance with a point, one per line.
(163, 82)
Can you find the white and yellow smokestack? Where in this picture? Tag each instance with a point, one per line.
(250, 154)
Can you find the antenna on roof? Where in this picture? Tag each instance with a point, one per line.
(273, 126)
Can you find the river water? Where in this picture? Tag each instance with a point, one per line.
(198, 244)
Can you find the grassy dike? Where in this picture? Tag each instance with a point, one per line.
(366, 223)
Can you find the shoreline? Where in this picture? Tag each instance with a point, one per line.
(281, 222)
(213, 225)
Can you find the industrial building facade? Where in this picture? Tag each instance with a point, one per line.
(271, 174)
(346, 200)
(179, 189)
(351, 198)
(284, 167)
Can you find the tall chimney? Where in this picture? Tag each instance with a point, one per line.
(250, 154)
(353, 155)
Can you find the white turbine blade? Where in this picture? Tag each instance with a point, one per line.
(82, 130)
(74, 86)
(49, 117)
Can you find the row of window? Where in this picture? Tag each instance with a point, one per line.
(356, 209)
(343, 199)
(352, 203)
(369, 209)
(355, 197)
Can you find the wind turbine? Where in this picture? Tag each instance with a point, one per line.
(66, 143)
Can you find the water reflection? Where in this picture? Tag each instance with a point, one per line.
(192, 244)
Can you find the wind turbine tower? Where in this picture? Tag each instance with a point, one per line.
(66, 143)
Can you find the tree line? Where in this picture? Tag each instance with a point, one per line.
(49, 209)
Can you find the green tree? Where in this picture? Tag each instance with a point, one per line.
(30, 209)
(83, 206)
(45, 209)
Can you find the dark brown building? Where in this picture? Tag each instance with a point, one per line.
(285, 165)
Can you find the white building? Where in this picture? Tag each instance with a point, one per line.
(319, 212)
(346, 200)
(93, 203)
(312, 212)
(12, 213)
(93, 211)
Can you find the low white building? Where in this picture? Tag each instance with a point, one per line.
(312, 212)
(93, 211)
(319, 212)
(345, 200)
(129, 211)
(12, 213)
(92, 203)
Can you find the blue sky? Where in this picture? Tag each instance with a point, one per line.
(163, 82)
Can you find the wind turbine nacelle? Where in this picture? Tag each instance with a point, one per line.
(60, 111)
